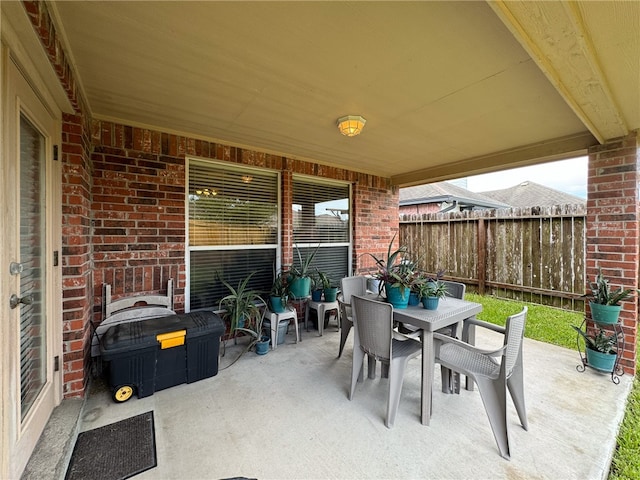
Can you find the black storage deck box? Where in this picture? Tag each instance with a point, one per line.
(157, 353)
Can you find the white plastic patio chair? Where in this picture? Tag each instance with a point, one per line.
(373, 324)
(493, 371)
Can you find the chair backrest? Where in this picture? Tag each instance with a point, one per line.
(455, 289)
(356, 285)
(373, 322)
(514, 331)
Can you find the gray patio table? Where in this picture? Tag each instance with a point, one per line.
(450, 311)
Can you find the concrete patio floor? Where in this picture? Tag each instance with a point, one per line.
(286, 415)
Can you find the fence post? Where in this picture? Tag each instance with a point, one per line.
(482, 256)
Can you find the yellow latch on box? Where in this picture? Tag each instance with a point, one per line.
(171, 339)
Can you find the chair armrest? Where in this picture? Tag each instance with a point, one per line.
(447, 339)
(482, 323)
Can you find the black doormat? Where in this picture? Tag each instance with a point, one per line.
(116, 451)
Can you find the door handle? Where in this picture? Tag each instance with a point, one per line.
(15, 300)
(15, 268)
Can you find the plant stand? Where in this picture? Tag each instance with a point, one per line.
(617, 370)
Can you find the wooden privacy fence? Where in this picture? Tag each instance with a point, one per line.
(529, 254)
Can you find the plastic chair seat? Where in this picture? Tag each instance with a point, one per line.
(321, 308)
(276, 318)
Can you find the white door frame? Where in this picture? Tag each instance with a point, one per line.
(19, 437)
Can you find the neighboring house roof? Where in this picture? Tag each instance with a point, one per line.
(531, 194)
(447, 192)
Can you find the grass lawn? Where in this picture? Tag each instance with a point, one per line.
(547, 324)
(626, 459)
(553, 325)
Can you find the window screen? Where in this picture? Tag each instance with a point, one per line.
(233, 230)
(321, 218)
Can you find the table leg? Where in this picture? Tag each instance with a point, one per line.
(428, 362)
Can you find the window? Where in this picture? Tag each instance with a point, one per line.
(321, 218)
(232, 230)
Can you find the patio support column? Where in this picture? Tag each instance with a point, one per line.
(612, 227)
(286, 243)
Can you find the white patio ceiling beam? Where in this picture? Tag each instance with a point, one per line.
(555, 35)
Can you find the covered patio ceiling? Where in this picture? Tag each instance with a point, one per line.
(447, 88)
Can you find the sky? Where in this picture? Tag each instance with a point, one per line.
(569, 176)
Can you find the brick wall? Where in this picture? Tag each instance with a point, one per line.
(77, 285)
(376, 222)
(612, 227)
(138, 209)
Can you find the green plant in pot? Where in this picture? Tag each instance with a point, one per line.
(604, 301)
(300, 283)
(316, 288)
(241, 308)
(417, 280)
(600, 348)
(253, 328)
(396, 274)
(279, 294)
(431, 291)
(328, 287)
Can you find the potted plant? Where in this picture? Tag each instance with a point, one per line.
(605, 302)
(241, 308)
(316, 288)
(396, 274)
(431, 291)
(279, 294)
(300, 284)
(417, 280)
(600, 349)
(328, 287)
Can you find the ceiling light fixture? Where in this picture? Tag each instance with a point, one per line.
(351, 125)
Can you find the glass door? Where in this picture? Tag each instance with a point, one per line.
(31, 330)
(31, 300)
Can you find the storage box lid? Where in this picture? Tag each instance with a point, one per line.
(143, 334)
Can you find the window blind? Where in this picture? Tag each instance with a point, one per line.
(321, 218)
(233, 230)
